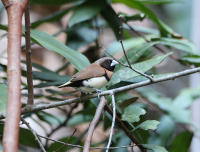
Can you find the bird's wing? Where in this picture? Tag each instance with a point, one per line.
(91, 71)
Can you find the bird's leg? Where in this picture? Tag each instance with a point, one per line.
(98, 91)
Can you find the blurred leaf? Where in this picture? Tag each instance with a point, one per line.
(135, 17)
(158, 2)
(191, 59)
(112, 19)
(48, 118)
(163, 132)
(115, 47)
(181, 142)
(186, 97)
(82, 116)
(164, 29)
(3, 98)
(50, 43)
(148, 124)
(132, 114)
(181, 45)
(56, 16)
(125, 73)
(154, 148)
(178, 114)
(46, 76)
(127, 102)
(39, 67)
(86, 11)
(146, 30)
(52, 2)
(81, 37)
(25, 137)
(48, 84)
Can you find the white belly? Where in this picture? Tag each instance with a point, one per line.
(97, 83)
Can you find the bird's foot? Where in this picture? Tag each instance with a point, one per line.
(98, 91)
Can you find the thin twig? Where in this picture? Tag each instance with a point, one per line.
(93, 123)
(121, 37)
(113, 121)
(34, 134)
(30, 99)
(67, 139)
(78, 146)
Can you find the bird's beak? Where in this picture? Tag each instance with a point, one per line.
(114, 63)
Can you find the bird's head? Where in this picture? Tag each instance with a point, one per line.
(107, 63)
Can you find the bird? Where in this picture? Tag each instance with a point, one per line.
(93, 77)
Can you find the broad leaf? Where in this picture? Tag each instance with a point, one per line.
(177, 144)
(112, 19)
(159, 2)
(154, 148)
(3, 98)
(127, 102)
(126, 73)
(165, 30)
(163, 132)
(50, 43)
(148, 124)
(132, 114)
(191, 59)
(86, 11)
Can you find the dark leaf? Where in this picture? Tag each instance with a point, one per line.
(135, 17)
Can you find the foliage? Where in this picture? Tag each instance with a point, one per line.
(87, 21)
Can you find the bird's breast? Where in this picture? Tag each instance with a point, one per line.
(97, 82)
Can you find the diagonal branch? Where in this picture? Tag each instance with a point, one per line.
(33, 132)
(120, 89)
(129, 64)
(95, 120)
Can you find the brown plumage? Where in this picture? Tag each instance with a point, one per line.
(93, 77)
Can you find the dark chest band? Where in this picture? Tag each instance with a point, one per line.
(106, 76)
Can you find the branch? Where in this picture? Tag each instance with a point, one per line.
(113, 121)
(129, 65)
(95, 120)
(28, 56)
(67, 140)
(33, 132)
(78, 146)
(15, 9)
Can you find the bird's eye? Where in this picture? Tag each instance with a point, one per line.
(108, 61)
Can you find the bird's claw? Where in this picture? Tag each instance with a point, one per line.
(99, 92)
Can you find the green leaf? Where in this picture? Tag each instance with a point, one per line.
(164, 29)
(148, 124)
(52, 17)
(154, 148)
(52, 2)
(191, 59)
(127, 102)
(132, 114)
(112, 19)
(46, 76)
(50, 43)
(3, 98)
(135, 17)
(48, 84)
(163, 132)
(177, 144)
(182, 45)
(115, 47)
(126, 73)
(186, 97)
(86, 11)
